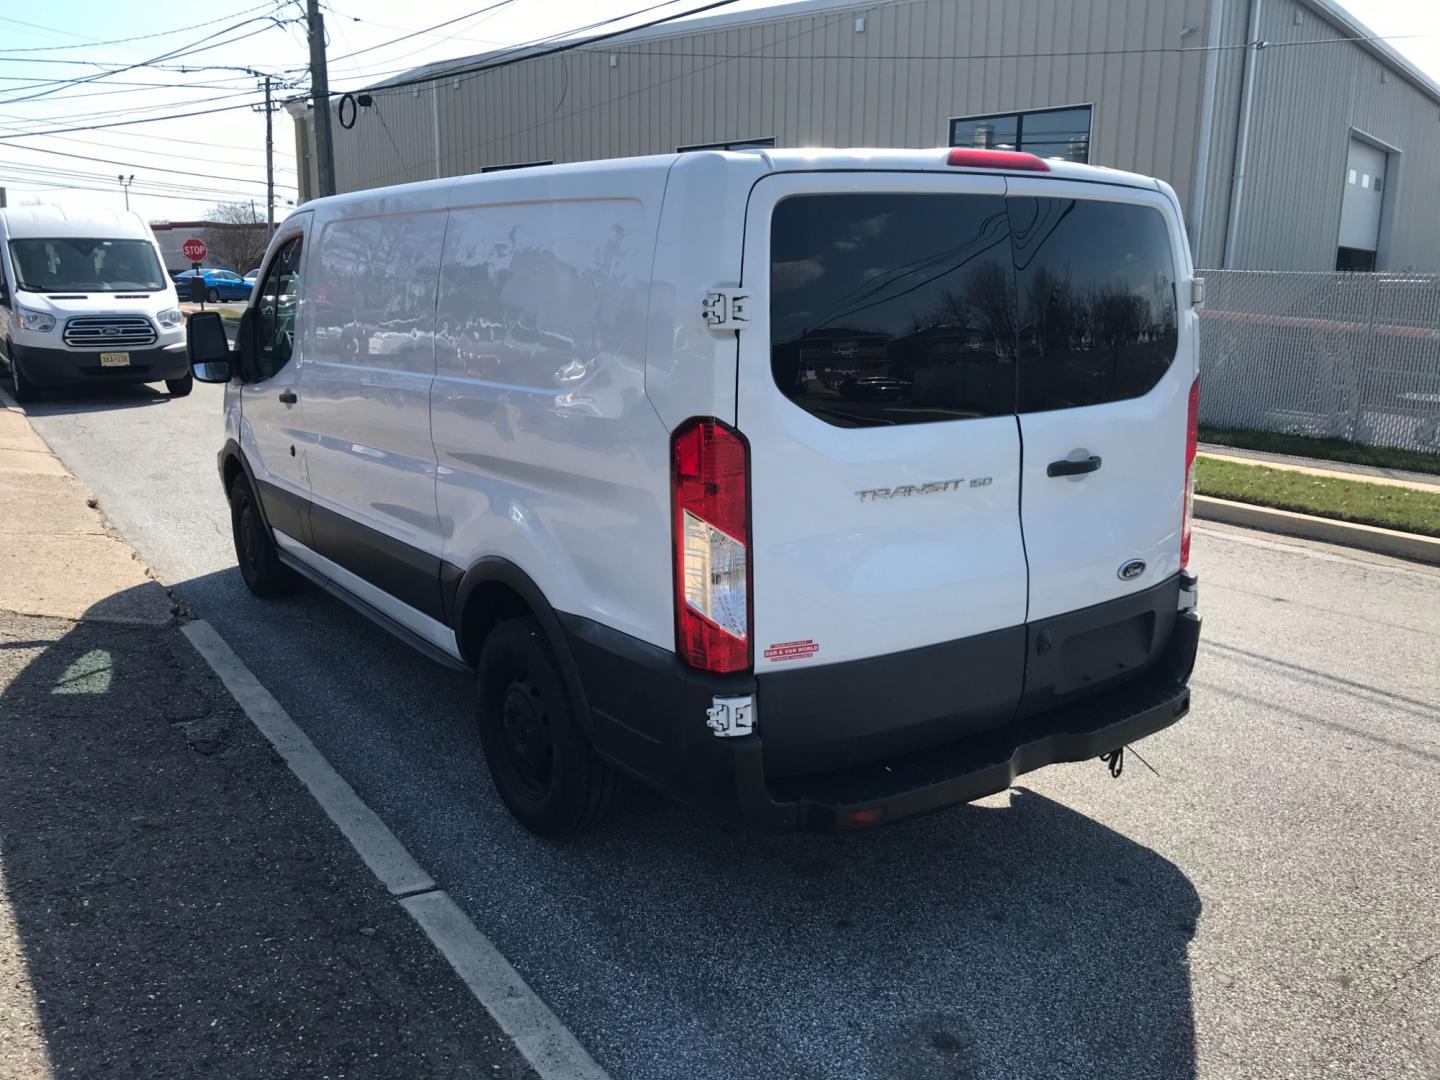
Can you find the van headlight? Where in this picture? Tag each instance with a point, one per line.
(169, 318)
(34, 320)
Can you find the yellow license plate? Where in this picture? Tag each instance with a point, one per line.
(114, 359)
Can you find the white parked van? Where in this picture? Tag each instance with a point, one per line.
(84, 298)
(824, 486)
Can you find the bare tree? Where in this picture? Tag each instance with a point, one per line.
(241, 243)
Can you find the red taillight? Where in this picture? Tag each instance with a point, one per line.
(976, 158)
(1192, 438)
(709, 476)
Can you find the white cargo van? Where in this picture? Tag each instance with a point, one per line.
(824, 486)
(84, 298)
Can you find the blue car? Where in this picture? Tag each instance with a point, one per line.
(219, 284)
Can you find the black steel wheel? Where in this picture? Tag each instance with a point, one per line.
(544, 768)
(255, 553)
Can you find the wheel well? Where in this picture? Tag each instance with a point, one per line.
(489, 604)
(232, 470)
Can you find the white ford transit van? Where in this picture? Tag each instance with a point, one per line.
(84, 298)
(823, 486)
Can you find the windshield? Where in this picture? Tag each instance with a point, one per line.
(75, 264)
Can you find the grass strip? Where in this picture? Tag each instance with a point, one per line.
(1380, 457)
(1385, 505)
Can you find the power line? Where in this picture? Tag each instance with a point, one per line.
(128, 123)
(418, 33)
(131, 151)
(568, 46)
(131, 164)
(193, 47)
(620, 97)
(89, 42)
(141, 110)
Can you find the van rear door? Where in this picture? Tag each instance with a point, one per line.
(876, 389)
(1106, 366)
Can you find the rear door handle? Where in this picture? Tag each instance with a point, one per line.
(288, 397)
(1073, 468)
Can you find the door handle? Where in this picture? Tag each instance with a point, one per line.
(288, 397)
(1073, 468)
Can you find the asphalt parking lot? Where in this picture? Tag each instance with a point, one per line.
(1265, 906)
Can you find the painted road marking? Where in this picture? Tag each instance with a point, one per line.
(547, 1044)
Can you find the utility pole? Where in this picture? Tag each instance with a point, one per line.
(269, 165)
(320, 99)
(125, 182)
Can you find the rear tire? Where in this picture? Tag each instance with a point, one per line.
(255, 552)
(214, 296)
(544, 768)
(180, 387)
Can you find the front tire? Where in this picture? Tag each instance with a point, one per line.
(180, 387)
(20, 388)
(544, 768)
(255, 552)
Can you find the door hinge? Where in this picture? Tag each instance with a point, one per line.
(725, 309)
(730, 717)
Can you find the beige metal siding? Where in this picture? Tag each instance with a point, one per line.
(1308, 98)
(811, 79)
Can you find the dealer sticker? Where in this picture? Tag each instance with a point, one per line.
(791, 650)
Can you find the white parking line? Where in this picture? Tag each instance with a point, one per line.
(547, 1044)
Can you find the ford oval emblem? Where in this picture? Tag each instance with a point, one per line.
(1131, 570)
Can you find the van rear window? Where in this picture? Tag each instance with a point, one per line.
(1095, 282)
(901, 309)
(893, 309)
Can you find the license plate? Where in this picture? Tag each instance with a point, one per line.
(114, 359)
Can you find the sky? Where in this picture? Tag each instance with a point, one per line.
(61, 69)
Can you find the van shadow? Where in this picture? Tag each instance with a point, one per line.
(1021, 940)
(70, 400)
(1000, 940)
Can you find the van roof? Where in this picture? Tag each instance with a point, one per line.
(797, 159)
(24, 222)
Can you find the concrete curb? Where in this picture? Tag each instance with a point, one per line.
(1400, 545)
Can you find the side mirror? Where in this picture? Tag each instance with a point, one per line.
(195, 290)
(208, 347)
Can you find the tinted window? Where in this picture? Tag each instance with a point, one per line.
(278, 300)
(1096, 290)
(893, 309)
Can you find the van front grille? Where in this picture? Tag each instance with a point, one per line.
(109, 331)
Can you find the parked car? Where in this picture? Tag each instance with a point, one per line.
(219, 284)
(674, 561)
(84, 299)
(252, 275)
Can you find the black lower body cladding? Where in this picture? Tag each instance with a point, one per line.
(51, 368)
(889, 736)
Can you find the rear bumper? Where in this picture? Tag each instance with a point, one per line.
(648, 713)
(67, 367)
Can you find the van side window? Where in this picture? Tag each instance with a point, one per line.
(278, 299)
(893, 309)
(1095, 283)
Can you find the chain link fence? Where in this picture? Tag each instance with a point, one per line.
(1350, 356)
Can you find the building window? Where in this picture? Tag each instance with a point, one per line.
(517, 165)
(737, 144)
(1052, 133)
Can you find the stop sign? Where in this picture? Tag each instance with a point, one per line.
(193, 249)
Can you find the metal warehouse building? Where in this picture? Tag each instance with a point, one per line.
(1295, 140)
